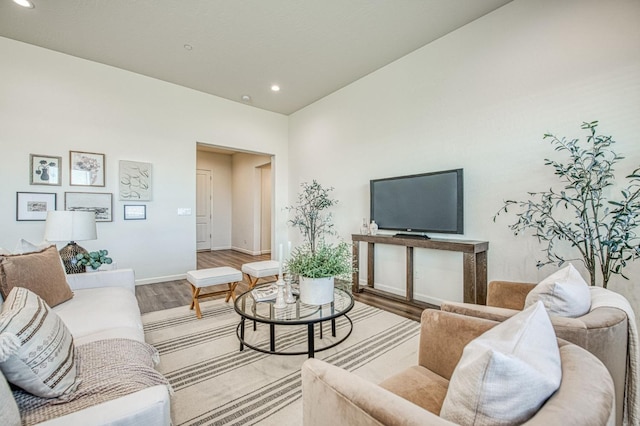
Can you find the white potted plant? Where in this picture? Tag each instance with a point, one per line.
(317, 262)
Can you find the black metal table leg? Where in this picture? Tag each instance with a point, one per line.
(333, 327)
(241, 334)
(272, 337)
(310, 340)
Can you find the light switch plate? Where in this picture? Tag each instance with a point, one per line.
(183, 211)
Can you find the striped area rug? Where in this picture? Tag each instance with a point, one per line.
(216, 384)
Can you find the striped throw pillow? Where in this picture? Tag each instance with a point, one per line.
(36, 348)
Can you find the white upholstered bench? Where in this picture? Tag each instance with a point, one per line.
(209, 277)
(263, 269)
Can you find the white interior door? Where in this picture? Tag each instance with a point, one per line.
(265, 210)
(203, 209)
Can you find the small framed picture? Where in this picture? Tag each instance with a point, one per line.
(98, 202)
(45, 170)
(34, 205)
(86, 168)
(135, 212)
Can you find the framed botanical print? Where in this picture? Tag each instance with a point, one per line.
(86, 168)
(34, 205)
(99, 202)
(45, 170)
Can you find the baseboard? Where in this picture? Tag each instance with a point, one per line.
(245, 251)
(417, 296)
(154, 280)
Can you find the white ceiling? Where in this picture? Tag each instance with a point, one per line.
(310, 48)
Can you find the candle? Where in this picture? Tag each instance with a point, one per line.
(280, 259)
(288, 249)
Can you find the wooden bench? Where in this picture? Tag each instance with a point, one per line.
(210, 277)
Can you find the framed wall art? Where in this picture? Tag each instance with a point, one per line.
(86, 168)
(34, 205)
(99, 202)
(45, 170)
(135, 212)
(134, 181)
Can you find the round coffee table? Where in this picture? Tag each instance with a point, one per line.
(297, 313)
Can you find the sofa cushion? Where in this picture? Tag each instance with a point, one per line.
(506, 374)
(36, 349)
(40, 272)
(564, 293)
(97, 310)
(9, 414)
(420, 386)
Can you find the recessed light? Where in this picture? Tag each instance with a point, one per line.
(246, 98)
(24, 3)
(275, 88)
(188, 47)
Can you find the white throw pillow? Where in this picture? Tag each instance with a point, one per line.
(25, 246)
(9, 414)
(36, 348)
(564, 293)
(506, 374)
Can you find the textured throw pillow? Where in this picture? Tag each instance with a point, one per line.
(23, 246)
(563, 293)
(506, 374)
(40, 272)
(36, 348)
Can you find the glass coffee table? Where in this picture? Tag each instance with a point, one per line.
(294, 314)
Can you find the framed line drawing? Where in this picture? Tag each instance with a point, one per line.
(34, 205)
(45, 170)
(86, 168)
(134, 180)
(135, 212)
(101, 203)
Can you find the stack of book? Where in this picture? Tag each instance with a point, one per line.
(265, 293)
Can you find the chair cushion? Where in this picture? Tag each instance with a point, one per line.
(265, 268)
(564, 293)
(9, 414)
(214, 276)
(420, 386)
(40, 272)
(36, 348)
(506, 374)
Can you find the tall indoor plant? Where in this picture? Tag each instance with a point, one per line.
(584, 213)
(317, 262)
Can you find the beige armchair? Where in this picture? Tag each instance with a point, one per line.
(332, 396)
(602, 331)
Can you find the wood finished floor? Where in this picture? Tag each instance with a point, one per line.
(171, 294)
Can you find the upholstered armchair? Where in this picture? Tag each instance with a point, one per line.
(333, 396)
(603, 330)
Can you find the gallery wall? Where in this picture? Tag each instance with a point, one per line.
(52, 103)
(480, 98)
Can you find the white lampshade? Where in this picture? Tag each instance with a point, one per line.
(70, 226)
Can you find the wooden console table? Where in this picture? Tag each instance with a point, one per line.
(474, 264)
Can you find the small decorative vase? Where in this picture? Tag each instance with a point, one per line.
(373, 228)
(289, 296)
(364, 228)
(280, 302)
(316, 291)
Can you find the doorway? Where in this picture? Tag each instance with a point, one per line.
(238, 200)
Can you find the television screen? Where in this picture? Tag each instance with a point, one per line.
(429, 202)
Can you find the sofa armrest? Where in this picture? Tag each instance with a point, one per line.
(443, 336)
(333, 396)
(479, 311)
(118, 278)
(508, 294)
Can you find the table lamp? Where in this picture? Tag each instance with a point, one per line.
(70, 226)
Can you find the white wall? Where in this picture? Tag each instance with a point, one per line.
(246, 183)
(220, 167)
(480, 98)
(51, 103)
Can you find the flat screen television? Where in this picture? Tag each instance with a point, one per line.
(428, 202)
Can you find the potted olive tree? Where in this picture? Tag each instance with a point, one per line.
(587, 219)
(317, 262)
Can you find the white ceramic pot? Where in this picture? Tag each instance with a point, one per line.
(316, 291)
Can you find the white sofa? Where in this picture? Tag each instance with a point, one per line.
(104, 306)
